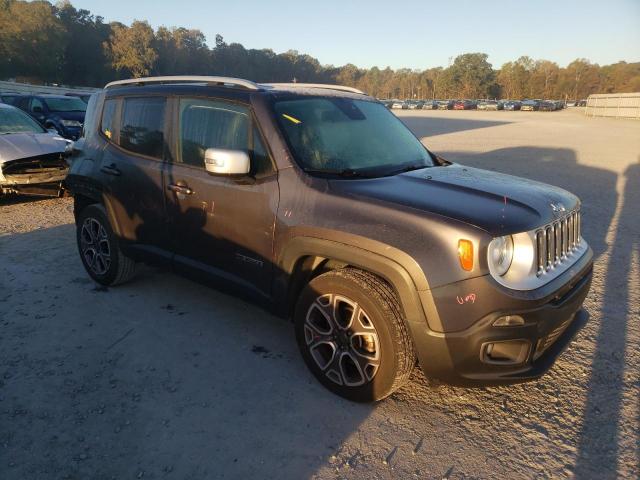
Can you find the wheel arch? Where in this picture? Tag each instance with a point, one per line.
(307, 257)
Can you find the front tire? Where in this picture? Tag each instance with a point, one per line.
(99, 249)
(352, 335)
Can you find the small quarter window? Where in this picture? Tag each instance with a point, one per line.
(260, 161)
(108, 123)
(142, 129)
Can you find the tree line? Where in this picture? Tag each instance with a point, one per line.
(45, 43)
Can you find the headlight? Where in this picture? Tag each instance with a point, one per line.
(71, 123)
(500, 254)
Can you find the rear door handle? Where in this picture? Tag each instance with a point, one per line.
(181, 189)
(111, 170)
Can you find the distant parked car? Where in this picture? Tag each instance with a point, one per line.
(64, 114)
(581, 103)
(413, 105)
(430, 105)
(81, 95)
(399, 105)
(32, 160)
(465, 105)
(512, 105)
(530, 105)
(493, 105)
(482, 105)
(446, 104)
(547, 106)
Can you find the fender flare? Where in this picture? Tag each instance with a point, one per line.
(396, 267)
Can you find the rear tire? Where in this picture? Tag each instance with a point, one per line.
(99, 248)
(352, 335)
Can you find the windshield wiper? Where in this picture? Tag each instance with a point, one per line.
(406, 168)
(342, 172)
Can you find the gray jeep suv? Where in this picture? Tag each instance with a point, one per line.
(318, 203)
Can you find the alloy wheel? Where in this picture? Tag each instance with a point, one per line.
(342, 340)
(95, 246)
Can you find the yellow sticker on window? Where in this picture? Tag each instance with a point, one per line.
(291, 119)
(107, 133)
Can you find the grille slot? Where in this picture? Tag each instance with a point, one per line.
(545, 342)
(557, 241)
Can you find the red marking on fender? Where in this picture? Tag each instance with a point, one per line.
(470, 298)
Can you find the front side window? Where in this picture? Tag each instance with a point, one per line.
(142, 126)
(338, 135)
(13, 120)
(211, 124)
(37, 105)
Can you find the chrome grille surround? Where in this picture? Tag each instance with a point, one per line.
(544, 253)
(556, 242)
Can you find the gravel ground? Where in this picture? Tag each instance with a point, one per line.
(165, 378)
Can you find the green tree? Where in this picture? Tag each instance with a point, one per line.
(131, 49)
(32, 40)
(472, 75)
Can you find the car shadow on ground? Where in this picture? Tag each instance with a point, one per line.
(16, 199)
(600, 438)
(430, 126)
(194, 384)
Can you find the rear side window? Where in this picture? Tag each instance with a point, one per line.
(108, 123)
(211, 124)
(142, 126)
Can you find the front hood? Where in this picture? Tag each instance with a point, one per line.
(497, 203)
(14, 146)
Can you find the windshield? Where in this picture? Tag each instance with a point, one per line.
(14, 121)
(66, 104)
(335, 135)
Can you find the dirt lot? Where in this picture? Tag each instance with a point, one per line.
(165, 378)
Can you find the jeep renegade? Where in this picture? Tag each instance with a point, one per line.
(318, 202)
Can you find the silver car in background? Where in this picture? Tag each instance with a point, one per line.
(32, 159)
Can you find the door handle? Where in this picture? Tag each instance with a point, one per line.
(111, 170)
(180, 189)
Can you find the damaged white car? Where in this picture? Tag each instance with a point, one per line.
(32, 159)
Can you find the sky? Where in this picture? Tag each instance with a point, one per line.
(415, 34)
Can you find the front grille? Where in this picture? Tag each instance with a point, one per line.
(556, 241)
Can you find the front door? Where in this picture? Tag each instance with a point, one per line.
(218, 224)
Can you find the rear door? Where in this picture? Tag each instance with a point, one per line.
(131, 169)
(221, 225)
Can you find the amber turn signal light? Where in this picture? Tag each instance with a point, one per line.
(465, 253)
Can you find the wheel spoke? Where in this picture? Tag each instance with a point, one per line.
(344, 311)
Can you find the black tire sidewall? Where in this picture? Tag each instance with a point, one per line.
(98, 213)
(382, 383)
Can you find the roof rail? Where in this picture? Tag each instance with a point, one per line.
(234, 82)
(314, 85)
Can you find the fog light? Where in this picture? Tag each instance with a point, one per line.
(510, 352)
(509, 321)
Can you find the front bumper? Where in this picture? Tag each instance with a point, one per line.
(552, 317)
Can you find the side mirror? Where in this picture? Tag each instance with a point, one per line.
(220, 161)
